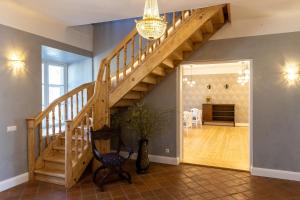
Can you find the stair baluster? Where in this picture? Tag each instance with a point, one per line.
(140, 48)
(82, 136)
(82, 99)
(47, 130)
(59, 118)
(53, 124)
(76, 144)
(125, 60)
(132, 52)
(77, 104)
(40, 138)
(118, 68)
(66, 109)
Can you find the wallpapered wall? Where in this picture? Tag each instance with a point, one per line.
(194, 97)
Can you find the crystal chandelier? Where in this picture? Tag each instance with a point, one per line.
(190, 82)
(244, 75)
(152, 26)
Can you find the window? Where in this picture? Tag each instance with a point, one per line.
(54, 82)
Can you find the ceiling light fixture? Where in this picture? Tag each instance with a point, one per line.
(152, 26)
(190, 82)
(244, 75)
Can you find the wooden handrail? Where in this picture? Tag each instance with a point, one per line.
(43, 114)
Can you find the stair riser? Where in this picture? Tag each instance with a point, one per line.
(50, 179)
(54, 165)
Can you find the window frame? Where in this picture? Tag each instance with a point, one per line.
(46, 84)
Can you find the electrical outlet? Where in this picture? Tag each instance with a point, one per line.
(11, 129)
(167, 150)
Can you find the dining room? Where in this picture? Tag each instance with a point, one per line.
(215, 104)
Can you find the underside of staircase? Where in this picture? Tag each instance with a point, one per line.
(60, 132)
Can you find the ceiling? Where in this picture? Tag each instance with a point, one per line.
(234, 67)
(60, 56)
(79, 12)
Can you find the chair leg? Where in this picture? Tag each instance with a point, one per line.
(102, 181)
(129, 176)
(125, 175)
(96, 172)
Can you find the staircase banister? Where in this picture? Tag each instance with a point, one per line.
(197, 19)
(121, 44)
(43, 114)
(77, 120)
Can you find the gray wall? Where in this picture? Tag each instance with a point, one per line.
(106, 36)
(275, 105)
(163, 99)
(20, 96)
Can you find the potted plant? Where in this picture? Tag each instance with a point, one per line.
(145, 122)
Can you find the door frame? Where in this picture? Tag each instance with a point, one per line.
(179, 117)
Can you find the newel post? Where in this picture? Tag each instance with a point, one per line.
(31, 149)
(68, 154)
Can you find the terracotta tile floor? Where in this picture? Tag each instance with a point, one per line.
(167, 182)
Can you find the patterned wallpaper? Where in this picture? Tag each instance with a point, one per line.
(194, 97)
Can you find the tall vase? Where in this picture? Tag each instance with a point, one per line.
(142, 161)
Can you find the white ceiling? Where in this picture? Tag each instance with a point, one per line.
(79, 12)
(234, 67)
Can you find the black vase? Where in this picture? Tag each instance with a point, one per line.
(142, 161)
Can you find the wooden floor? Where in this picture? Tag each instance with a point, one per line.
(218, 146)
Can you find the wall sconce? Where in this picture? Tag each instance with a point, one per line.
(292, 73)
(16, 62)
(226, 86)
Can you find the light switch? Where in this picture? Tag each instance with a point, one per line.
(167, 150)
(11, 129)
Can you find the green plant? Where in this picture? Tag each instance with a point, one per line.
(144, 121)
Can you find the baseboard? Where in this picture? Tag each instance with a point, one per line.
(14, 181)
(156, 158)
(273, 173)
(242, 124)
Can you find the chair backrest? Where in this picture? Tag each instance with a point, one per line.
(104, 133)
(195, 112)
(186, 115)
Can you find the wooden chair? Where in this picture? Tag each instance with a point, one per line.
(112, 161)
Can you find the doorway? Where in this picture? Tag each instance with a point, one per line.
(215, 124)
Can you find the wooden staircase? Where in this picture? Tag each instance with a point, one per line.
(135, 66)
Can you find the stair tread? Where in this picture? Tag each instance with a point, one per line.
(73, 137)
(51, 172)
(62, 148)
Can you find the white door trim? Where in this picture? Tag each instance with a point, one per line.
(180, 106)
